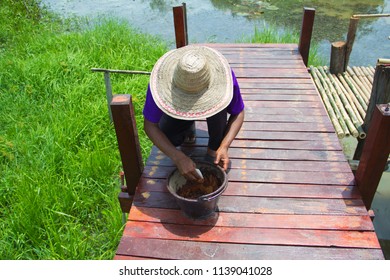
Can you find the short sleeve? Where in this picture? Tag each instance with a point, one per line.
(237, 104)
(151, 111)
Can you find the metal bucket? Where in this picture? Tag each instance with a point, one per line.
(204, 205)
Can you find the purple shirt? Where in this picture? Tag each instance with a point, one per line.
(153, 114)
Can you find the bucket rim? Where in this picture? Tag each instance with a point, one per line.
(206, 197)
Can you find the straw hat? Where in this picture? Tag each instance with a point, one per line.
(192, 82)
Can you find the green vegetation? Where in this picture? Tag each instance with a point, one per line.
(59, 161)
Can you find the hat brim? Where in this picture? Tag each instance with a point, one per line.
(191, 106)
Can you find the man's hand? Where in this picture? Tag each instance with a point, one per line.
(187, 167)
(222, 158)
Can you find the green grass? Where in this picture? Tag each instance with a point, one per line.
(59, 161)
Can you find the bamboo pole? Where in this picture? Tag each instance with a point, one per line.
(355, 92)
(119, 71)
(363, 77)
(357, 122)
(356, 87)
(350, 98)
(366, 84)
(370, 15)
(332, 115)
(334, 103)
(357, 71)
(367, 74)
(359, 85)
(340, 104)
(359, 105)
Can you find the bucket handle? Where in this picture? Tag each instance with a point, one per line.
(204, 198)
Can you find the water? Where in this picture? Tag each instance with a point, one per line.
(230, 20)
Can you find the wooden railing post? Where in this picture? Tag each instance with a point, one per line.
(180, 22)
(129, 148)
(306, 32)
(375, 154)
(341, 50)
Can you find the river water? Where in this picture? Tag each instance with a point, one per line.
(230, 20)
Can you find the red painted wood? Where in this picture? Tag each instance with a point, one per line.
(306, 32)
(239, 235)
(375, 154)
(292, 145)
(291, 193)
(159, 184)
(250, 220)
(189, 250)
(179, 19)
(263, 205)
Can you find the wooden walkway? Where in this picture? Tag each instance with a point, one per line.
(291, 192)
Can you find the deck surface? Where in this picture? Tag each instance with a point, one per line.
(291, 193)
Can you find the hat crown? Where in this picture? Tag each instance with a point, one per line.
(192, 73)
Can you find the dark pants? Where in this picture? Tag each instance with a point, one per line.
(177, 130)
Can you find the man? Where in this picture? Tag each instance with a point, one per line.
(188, 84)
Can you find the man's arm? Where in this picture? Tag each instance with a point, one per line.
(233, 127)
(185, 165)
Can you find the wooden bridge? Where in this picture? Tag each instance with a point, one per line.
(291, 193)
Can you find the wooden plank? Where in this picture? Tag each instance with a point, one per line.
(247, 47)
(159, 184)
(284, 145)
(263, 205)
(282, 110)
(251, 88)
(279, 118)
(287, 177)
(271, 72)
(248, 96)
(278, 104)
(189, 250)
(293, 145)
(261, 162)
(287, 127)
(160, 161)
(278, 135)
(269, 236)
(274, 154)
(249, 220)
(265, 63)
(307, 81)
